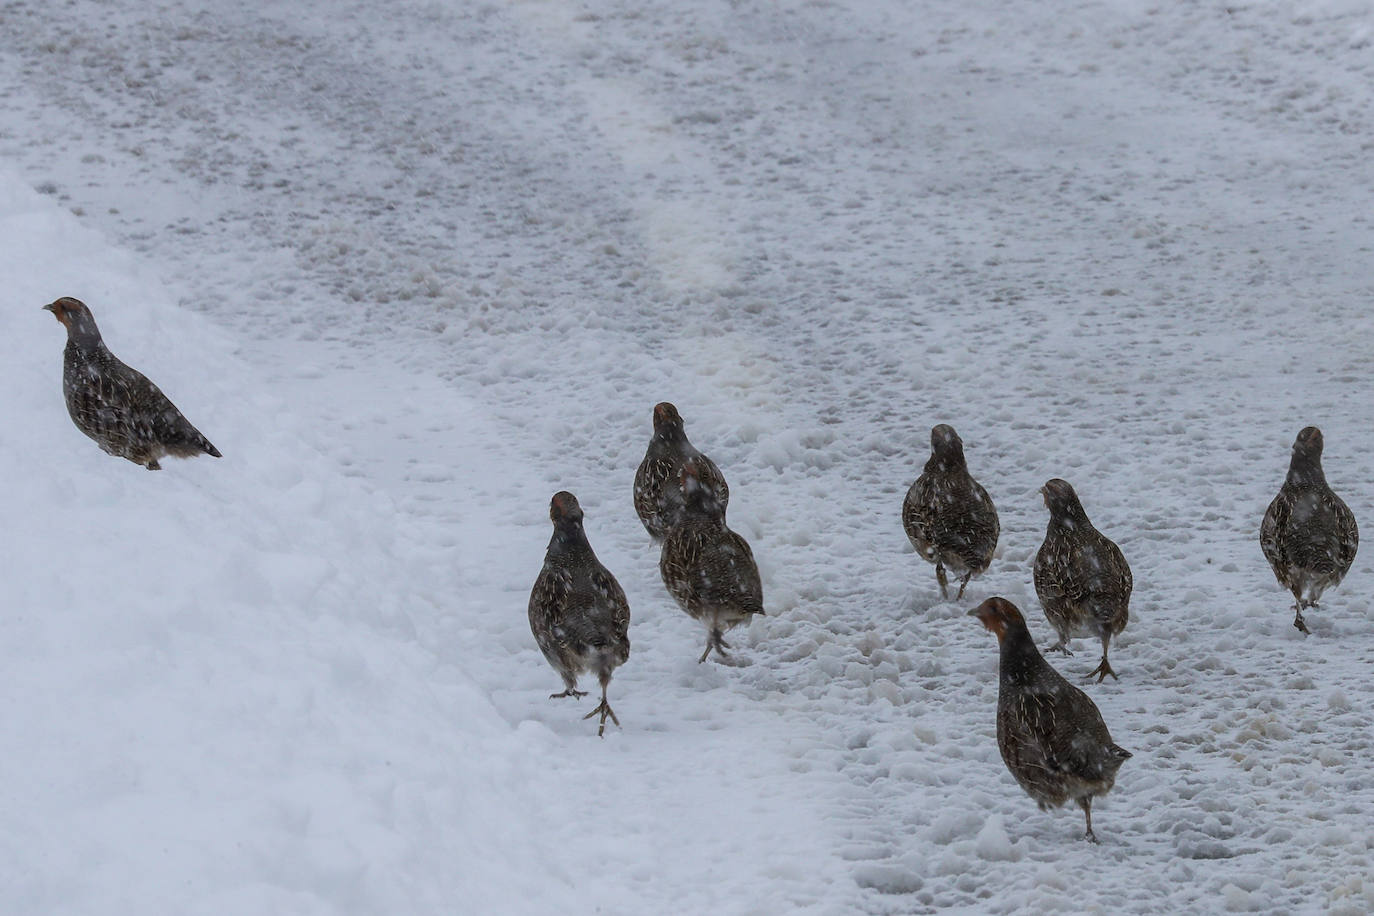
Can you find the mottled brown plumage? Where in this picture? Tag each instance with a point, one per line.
(948, 515)
(126, 415)
(1051, 735)
(658, 496)
(1081, 577)
(708, 568)
(1308, 534)
(578, 612)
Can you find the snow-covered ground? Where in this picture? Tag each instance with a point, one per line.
(415, 266)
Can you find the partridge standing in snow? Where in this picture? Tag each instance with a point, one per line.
(708, 568)
(115, 405)
(1051, 736)
(1308, 534)
(948, 515)
(658, 498)
(578, 612)
(1081, 577)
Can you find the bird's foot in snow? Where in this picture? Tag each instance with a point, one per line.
(1061, 646)
(1301, 624)
(605, 710)
(570, 692)
(1102, 670)
(717, 642)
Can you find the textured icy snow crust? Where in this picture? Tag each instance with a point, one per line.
(464, 248)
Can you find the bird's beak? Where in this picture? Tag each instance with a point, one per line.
(49, 308)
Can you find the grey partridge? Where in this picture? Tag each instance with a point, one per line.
(1308, 534)
(1081, 577)
(127, 415)
(1051, 735)
(948, 515)
(658, 497)
(708, 568)
(578, 612)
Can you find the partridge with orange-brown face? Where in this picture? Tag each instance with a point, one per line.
(1050, 733)
(127, 415)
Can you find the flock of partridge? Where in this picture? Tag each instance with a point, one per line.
(1051, 735)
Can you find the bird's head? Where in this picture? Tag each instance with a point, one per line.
(564, 509)
(1000, 616)
(75, 317)
(667, 421)
(946, 448)
(1060, 498)
(1309, 442)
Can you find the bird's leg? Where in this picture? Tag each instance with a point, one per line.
(715, 641)
(940, 577)
(1104, 668)
(1061, 646)
(605, 710)
(153, 465)
(963, 584)
(1297, 619)
(1087, 802)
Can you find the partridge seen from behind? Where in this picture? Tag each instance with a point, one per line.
(1308, 534)
(948, 515)
(578, 612)
(1081, 577)
(658, 496)
(1051, 735)
(127, 415)
(709, 569)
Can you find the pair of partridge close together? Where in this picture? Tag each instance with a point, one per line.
(1081, 576)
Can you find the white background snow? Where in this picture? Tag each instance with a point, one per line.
(414, 266)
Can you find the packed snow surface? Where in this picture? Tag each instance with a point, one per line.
(415, 266)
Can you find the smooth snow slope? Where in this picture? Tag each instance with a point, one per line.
(460, 249)
(215, 700)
